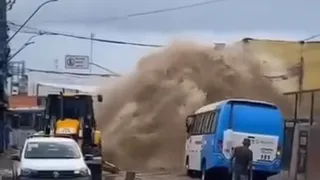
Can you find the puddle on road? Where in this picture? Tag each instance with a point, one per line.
(5, 172)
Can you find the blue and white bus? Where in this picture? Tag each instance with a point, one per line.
(215, 129)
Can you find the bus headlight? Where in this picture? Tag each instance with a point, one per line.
(278, 153)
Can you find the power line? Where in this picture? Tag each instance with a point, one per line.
(10, 4)
(117, 18)
(28, 19)
(311, 37)
(164, 10)
(44, 32)
(112, 73)
(70, 73)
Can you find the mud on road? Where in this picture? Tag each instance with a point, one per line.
(161, 175)
(167, 175)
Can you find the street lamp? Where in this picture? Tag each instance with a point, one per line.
(106, 69)
(19, 50)
(32, 37)
(27, 43)
(29, 18)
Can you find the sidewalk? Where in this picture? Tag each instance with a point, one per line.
(5, 160)
(285, 176)
(6, 164)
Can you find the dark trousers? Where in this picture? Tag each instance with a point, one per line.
(240, 173)
(237, 176)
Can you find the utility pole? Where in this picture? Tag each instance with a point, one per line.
(301, 70)
(4, 53)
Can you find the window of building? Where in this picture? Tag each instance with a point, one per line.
(26, 120)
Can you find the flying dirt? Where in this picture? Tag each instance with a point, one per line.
(143, 117)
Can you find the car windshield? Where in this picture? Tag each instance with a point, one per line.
(52, 150)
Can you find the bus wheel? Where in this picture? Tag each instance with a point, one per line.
(260, 177)
(204, 174)
(189, 172)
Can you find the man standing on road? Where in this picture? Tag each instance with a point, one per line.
(242, 156)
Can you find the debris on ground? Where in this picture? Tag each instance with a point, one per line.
(110, 167)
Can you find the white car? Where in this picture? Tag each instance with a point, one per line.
(50, 158)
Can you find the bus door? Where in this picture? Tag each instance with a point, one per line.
(194, 145)
(194, 149)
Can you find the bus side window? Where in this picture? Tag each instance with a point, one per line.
(206, 121)
(200, 119)
(215, 121)
(203, 125)
(210, 122)
(195, 127)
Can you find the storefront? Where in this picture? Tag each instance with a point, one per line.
(23, 118)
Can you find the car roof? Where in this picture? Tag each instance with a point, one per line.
(50, 139)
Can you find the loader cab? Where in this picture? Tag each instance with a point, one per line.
(75, 110)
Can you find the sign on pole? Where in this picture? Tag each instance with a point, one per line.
(76, 62)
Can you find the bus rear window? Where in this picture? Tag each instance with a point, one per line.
(254, 103)
(257, 118)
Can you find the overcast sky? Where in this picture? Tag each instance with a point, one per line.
(224, 21)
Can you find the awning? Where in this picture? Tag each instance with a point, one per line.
(27, 109)
(81, 88)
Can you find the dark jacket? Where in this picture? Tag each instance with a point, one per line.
(242, 157)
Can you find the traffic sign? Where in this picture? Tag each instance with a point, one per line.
(76, 62)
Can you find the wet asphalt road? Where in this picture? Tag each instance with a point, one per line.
(168, 176)
(6, 173)
(151, 176)
(5, 166)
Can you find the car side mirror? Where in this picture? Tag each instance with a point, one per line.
(15, 157)
(100, 98)
(88, 157)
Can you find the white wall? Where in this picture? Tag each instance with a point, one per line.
(34, 78)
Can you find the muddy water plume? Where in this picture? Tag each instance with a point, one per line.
(142, 118)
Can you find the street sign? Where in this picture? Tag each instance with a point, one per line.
(76, 62)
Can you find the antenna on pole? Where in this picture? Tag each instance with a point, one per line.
(56, 64)
(91, 51)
